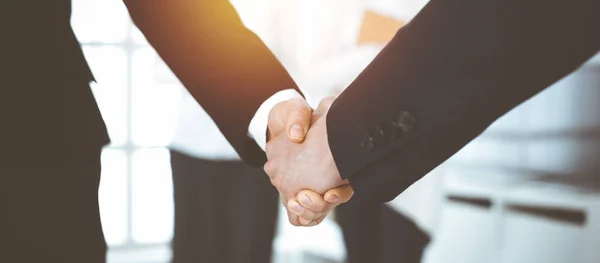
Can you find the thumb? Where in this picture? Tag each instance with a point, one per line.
(339, 195)
(284, 115)
(297, 119)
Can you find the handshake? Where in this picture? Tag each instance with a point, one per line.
(300, 164)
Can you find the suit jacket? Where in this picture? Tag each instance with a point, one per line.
(226, 67)
(445, 77)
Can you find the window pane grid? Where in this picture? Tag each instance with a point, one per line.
(111, 59)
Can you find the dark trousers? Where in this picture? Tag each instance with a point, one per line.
(225, 211)
(52, 137)
(49, 208)
(375, 233)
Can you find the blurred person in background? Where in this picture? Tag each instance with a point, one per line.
(225, 211)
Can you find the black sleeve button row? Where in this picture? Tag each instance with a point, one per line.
(406, 121)
(388, 130)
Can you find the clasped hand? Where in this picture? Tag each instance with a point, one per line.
(300, 164)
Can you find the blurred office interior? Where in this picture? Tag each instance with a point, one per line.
(527, 190)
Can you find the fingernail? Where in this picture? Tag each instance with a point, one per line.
(295, 207)
(305, 200)
(307, 222)
(296, 132)
(334, 199)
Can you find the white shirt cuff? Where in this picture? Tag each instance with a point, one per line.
(258, 125)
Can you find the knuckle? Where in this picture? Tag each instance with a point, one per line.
(269, 168)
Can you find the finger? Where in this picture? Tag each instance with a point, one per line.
(309, 223)
(298, 118)
(293, 209)
(312, 201)
(305, 222)
(293, 218)
(308, 215)
(339, 195)
(302, 212)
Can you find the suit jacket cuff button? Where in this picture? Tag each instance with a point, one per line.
(367, 143)
(406, 121)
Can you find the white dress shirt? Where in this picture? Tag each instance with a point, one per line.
(197, 135)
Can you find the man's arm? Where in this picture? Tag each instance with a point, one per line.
(225, 66)
(445, 77)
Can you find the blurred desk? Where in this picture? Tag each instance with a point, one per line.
(594, 62)
(514, 219)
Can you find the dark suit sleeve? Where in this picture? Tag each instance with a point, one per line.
(445, 77)
(225, 66)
